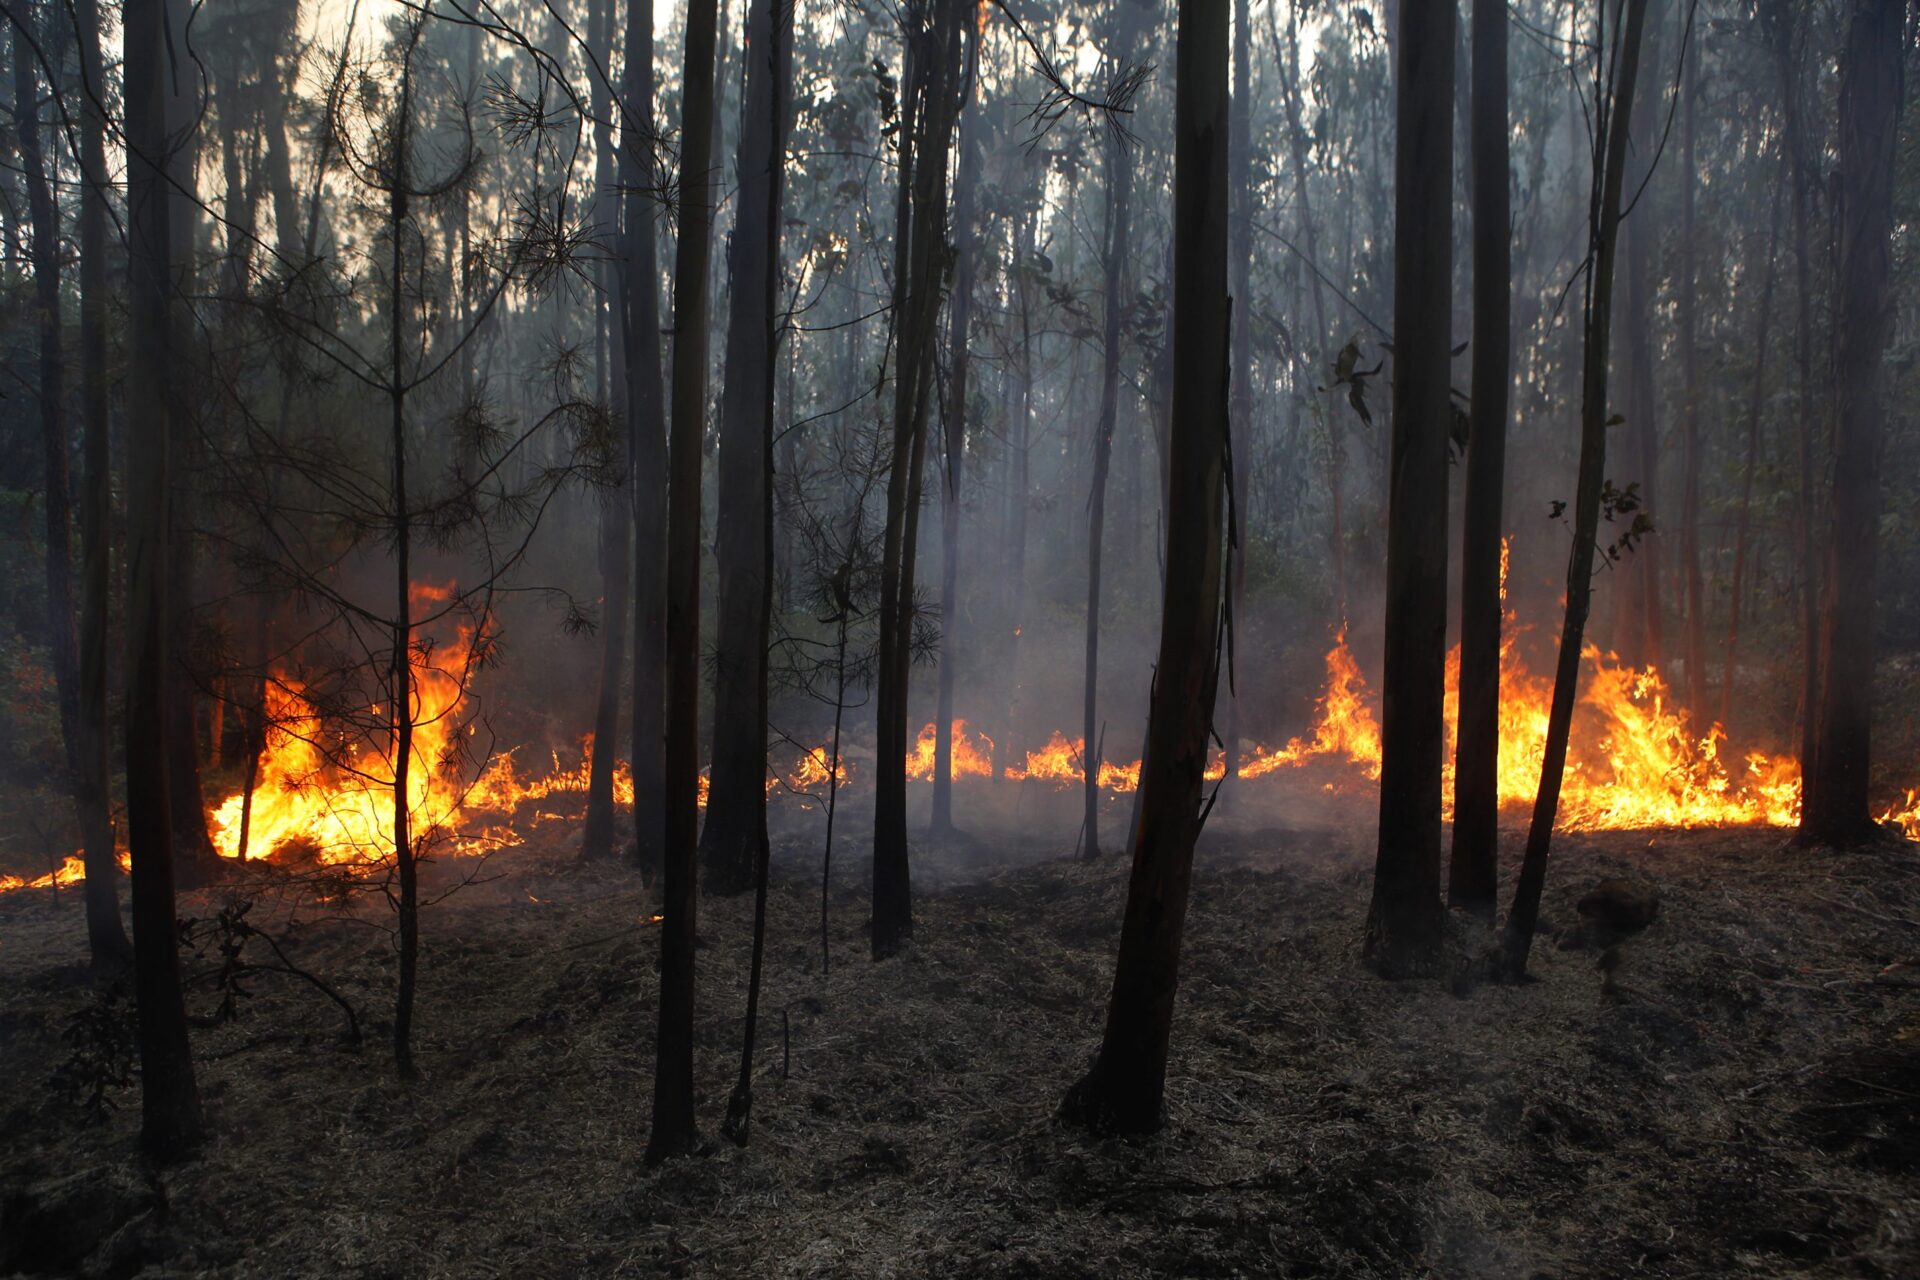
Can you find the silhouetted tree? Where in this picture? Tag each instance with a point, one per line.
(1124, 1089)
(1473, 872)
(1403, 923)
(1872, 84)
(673, 1125)
(171, 1123)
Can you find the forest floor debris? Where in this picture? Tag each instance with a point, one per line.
(1739, 1095)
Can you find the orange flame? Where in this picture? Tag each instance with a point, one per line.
(972, 754)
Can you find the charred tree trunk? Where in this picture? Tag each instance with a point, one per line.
(44, 239)
(734, 843)
(959, 365)
(197, 863)
(768, 58)
(1472, 877)
(106, 936)
(171, 1123)
(928, 116)
(673, 1126)
(1694, 642)
(1640, 625)
(1289, 62)
(1403, 924)
(646, 428)
(1834, 806)
(597, 834)
(1124, 1089)
(1763, 324)
(1240, 393)
(1603, 235)
(400, 676)
(1118, 292)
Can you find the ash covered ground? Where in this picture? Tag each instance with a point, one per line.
(1739, 1095)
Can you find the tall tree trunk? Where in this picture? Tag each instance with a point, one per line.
(959, 364)
(1695, 639)
(646, 428)
(106, 936)
(768, 59)
(193, 845)
(1640, 628)
(1118, 290)
(43, 221)
(1125, 1088)
(1472, 877)
(1803, 180)
(1289, 62)
(673, 1128)
(1603, 235)
(1403, 924)
(1240, 394)
(400, 675)
(734, 843)
(171, 1123)
(597, 833)
(1763, 323)
(1834, 805)
(931, 107)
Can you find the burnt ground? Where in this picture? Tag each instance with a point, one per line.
(1743, 1098)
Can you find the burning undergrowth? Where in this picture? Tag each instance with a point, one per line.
(1732, 1101)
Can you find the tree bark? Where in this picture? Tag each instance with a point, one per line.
(1763, 323)
(44, 242)
(929, 112)
(106, 937)
(1124, 1090)
(769, 92)
(1834, 805)
(1517, 939)
(1640, 630)
(193, 845)
(1119, 289)
(597, 831)
(673, 1122)
(648, 445)
(1403, 923)
(1694, 641)
(734, 843)
(171, 1123)
(959, 366)
(1472, 878)
(1240, 392)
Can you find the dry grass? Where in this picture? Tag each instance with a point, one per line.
(1744, 1103)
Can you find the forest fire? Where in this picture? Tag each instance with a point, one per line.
(1636, 760)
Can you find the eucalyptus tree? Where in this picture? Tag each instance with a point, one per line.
(1124, 1089)
(929, 109)
(106, 936)
(1615, 82)
(1872, 86)
(1472, 873)
(1403, 922)
(672, 1131)
(171, 1124)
